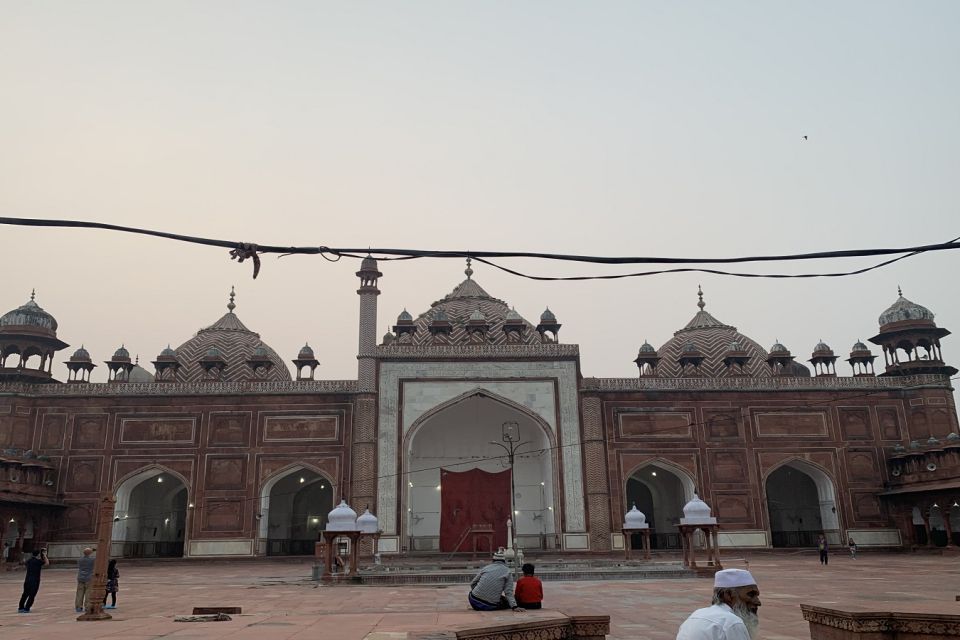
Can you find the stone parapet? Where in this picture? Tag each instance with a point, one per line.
(529, 626)
(766, 384)
(474, 351)
(834, 624)
(179, 388)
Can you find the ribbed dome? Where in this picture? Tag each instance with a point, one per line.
(80, 355)
(646, 347)
(404, 316)
(477, 316)
(367, 522)
(822, 348)
(306, 352)
(121, 353)
(168, 352)
(547, 316)
(778, 348)
(342, 518)
(457, 307)
(712, 339)
(904, 309)
(29, 315)
(858, 346)
(235, 344)
(635, 519)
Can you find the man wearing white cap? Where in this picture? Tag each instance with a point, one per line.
(733, 615)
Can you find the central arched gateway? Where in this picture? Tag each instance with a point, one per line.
(457, 437)
(150, 518)
(294, 504)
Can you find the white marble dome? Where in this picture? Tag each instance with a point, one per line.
(635, 519)
(367, 522)
(697, 512)
(342, 518)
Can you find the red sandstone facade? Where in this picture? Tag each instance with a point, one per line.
(233, 435)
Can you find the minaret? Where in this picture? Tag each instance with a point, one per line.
(368, 292)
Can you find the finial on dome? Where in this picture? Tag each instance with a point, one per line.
(700, 303)
(230, 305)
(33, 294)
(899, 291)
(468, 270)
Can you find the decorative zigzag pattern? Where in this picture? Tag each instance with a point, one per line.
(236, 344)
(713, 343)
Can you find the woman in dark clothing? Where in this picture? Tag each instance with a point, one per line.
(113, 585)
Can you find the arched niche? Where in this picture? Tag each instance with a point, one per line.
(294, 503)
(801, 504)
(457, 436)
(660, 489)
(151, 515)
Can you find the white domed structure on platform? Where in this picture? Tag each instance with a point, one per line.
(367, 522)
(697, 512)
(635, 519)
(342, 518)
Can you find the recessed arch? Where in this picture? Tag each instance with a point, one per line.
(660, 489)
(151, 514)
(278, 509)
(800, 507)
(456, 435)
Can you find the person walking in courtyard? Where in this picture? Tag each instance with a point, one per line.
(492, 588)
(31, 582)
(84, 580)
(733, 614)
(529, 591)
(853, 549)
(824, 548)
(113, 585)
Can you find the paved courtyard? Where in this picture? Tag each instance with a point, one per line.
(280, 602)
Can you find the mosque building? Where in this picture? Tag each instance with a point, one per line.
(220, 452)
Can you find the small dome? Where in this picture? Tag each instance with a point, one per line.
(29, 315)
(689, 348)
(735, 346)
(404, 317)
(778, 348)
(797, 369)
(931, 441)
(306, 353)
(914, 444)
(342, 518)
(477, 316)
(168, 352)
(513, 315)
(953, 436)
(697, 512)
(260, 352)
(635, 519)
(367, 522)
(441, 316)
(388, 338)
(121, 353)
(547, 316)
(80, 355)
(859, 346)
(369, 264)
(139, 374)
(822, 347)
(904, 309)
(646, 347)
(213, 352)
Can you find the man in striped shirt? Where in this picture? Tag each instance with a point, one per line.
(492, 588)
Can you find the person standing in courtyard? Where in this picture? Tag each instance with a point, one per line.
(824, 548)
(853, 549)
(84, 580)
(492, 588)
(733, 614)
(113, 585)
(31, 582)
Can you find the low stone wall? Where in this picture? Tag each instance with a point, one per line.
(553, 626)
(833, 624)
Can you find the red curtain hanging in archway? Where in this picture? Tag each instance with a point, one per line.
(473, 497)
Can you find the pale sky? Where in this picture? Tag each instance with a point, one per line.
(612, 128)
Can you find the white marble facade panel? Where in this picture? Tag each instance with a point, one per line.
(443, 381)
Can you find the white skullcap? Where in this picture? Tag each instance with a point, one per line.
(730, 578)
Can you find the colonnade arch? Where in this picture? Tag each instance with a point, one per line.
(456, 437)
(294, 504)
(660, 490)
(151, 515)
(801, 504)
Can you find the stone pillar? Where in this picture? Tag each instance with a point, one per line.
(363, 458)
(595, 468)
(98, 587)
(367, 346)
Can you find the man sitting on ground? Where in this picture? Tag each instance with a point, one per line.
(733, 615)
(529, 592)
(492, 588)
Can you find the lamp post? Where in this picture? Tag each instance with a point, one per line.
(511, 436)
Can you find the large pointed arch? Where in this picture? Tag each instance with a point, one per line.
(266, 489)
(170, 512)
(826, 497)
(660, 488)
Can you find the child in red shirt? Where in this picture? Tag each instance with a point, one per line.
(529, 591)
